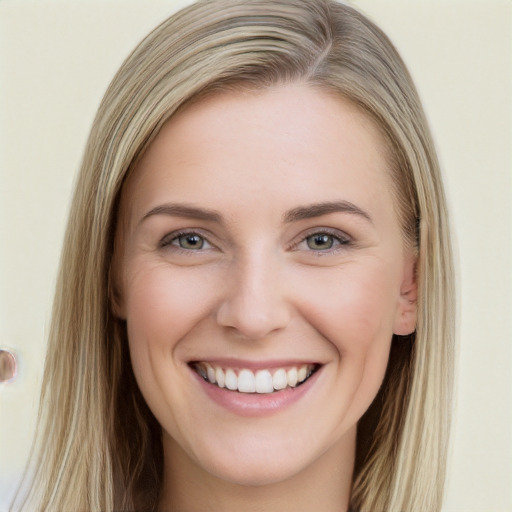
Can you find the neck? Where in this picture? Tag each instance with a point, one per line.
(323, 486)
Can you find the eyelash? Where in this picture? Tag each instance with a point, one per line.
(339, 239)
(167, 241)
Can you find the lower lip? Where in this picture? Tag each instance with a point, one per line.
(256, 404)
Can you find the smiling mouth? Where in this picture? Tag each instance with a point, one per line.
(264, 381)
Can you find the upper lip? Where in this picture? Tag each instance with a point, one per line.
(254, 364)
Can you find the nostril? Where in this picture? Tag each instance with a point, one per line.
(253, 316)
(8, 366)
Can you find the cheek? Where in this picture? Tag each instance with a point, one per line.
(162, 306)
(353, 306)
(353, 309)
(158, 298)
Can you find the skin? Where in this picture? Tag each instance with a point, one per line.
(261, 288)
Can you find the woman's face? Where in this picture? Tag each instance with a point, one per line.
(259, 250)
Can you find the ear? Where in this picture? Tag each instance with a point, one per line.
(406, 314)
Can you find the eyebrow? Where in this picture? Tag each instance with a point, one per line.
(184, 210)
(319, 209)
(294, 215)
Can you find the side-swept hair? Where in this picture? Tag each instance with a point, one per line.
(98, 446)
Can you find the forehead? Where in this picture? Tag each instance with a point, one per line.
(287, 144)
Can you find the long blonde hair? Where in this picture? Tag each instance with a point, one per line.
(98, 445)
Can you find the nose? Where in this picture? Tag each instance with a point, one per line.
(254, 303)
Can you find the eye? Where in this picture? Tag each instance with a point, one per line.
(188, 241)
(324, 241)
(320, 241)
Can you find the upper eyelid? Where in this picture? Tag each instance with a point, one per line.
(337, 233)
(173, 235)
(344, 238)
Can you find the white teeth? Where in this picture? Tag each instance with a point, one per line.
(231, 380)
(264, 382)
(219, 377)
(279, 379)
(291, 377)
(248, 382)
(210, 373)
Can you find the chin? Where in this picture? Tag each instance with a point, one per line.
(265, 460)
(256, 473)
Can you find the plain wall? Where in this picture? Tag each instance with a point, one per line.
(56, 59)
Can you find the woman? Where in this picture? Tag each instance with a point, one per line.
(210, 357)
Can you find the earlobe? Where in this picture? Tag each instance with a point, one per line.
(406, 315)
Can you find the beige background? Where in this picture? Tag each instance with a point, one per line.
(56, 59)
